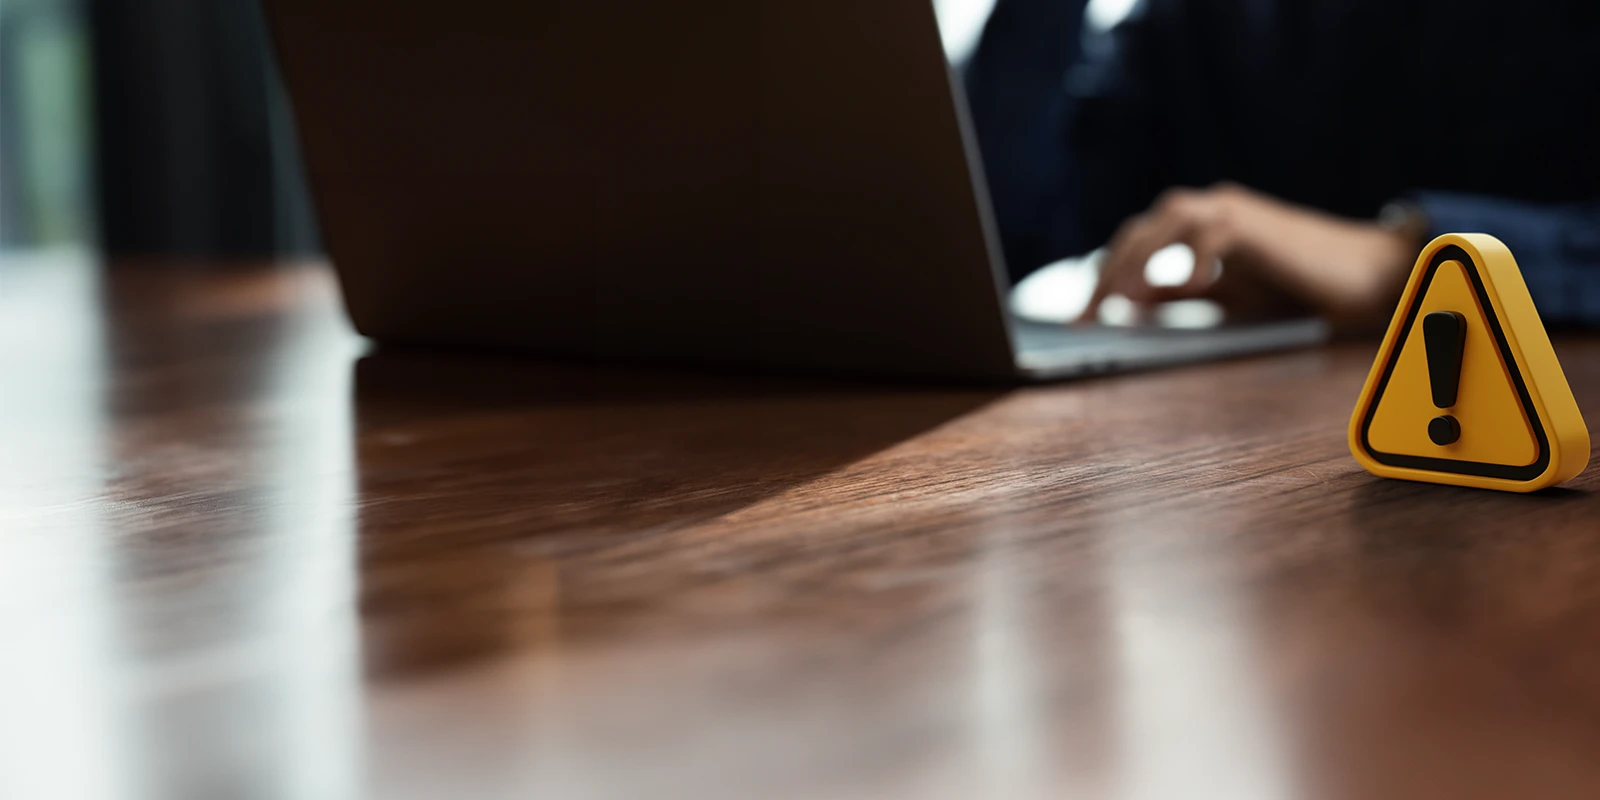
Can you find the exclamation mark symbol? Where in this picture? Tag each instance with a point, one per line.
(1445, 335)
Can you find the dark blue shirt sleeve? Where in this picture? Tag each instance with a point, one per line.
(1556, 246)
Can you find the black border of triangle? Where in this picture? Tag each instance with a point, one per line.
(1450, 465)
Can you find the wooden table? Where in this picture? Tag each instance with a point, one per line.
(245, 556)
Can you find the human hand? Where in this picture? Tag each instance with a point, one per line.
(1258, 256)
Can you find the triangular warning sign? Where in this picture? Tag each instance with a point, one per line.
(1466, 389)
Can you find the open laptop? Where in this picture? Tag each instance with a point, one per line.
(773, 184)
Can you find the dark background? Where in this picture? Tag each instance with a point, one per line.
(148, 127)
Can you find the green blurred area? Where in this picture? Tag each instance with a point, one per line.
(44, 124)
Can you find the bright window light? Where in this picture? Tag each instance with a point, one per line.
(961, 23)
(1103, 15)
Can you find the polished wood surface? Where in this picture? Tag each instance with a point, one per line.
(245, 555)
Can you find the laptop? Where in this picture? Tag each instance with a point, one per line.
(779, 185)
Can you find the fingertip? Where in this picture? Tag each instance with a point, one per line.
(1141, 293)
(1172, 294)
(1090, 313)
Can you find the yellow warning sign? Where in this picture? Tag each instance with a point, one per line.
(1466, 389)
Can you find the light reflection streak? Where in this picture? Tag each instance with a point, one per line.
(60, 731)
(311, 604)
(97, 702)
(1193, 721)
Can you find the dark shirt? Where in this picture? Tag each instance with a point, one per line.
(1019, 109)
(1487, 113)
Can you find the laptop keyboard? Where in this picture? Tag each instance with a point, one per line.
(1042, 336)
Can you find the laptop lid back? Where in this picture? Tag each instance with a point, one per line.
(777, 183)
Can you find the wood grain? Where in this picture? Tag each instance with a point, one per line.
(246, 555)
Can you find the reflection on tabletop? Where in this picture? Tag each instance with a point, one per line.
(248, 555)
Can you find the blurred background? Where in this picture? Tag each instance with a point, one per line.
(44, 124)
(156, 127)
(160, 127)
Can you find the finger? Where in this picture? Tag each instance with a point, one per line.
(1211, 245)
(1104, 277)
(1188, 290)
(1131, 278)
(1091, 310)
(1122, 270)
(1171, 294)
(1234, 289)
(1208, 240)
